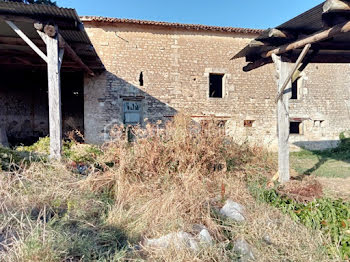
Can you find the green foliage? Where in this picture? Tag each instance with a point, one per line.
(42, 146)
(81, 153)
(10, 158)
(330, 216)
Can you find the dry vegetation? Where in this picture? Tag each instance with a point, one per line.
(100, 203)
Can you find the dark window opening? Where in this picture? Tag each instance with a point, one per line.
(295, 89)
(295, 128)
(215, 85)
(248, 123)
(141, 79)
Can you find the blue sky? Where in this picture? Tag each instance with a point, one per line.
(236, 13)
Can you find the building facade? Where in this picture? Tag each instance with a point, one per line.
(155, 70)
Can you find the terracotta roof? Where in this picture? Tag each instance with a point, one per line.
(172, 25)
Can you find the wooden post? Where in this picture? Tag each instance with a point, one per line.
(54, 87)
(282, 68)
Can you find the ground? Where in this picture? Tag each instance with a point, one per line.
(331, 167)
(102, 203)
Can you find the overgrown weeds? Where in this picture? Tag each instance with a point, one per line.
(99, 203)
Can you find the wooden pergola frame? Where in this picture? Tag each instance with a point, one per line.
(336, 21)
(56, 47)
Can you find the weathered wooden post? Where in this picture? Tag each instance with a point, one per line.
(54, 60)
(282, 69)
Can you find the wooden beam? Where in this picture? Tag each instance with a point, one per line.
(19, 41)
(273, 33)
(319, 36)
(282, 69)
(54, 87)
(71, 53)
(294, 69)
(255, 43)
(331, 6)
(27, 40)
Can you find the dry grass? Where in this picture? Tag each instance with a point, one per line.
(166, 180)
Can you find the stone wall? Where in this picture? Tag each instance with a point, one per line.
(175, 65)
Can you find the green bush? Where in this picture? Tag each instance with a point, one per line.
(42, 146)
(330, 216)
(79, 153)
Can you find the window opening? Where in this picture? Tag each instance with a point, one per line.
(216, 85)
(295, 128)
(141, 79)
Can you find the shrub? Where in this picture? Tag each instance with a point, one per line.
(42, 146)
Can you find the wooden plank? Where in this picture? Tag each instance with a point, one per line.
(331, 6)
(54, 86)
(19, 41)
(318, 36)
(294, 69)
(282, 69)
(71, 53)
(273, 33)
(27, 40)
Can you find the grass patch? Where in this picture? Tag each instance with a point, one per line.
(330, 216)
(328, 163)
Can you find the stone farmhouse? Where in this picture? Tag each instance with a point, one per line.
(156, 69)
(122, 71)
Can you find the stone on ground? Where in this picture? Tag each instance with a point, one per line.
(205, 237)
(233, 210)
(243, 250)
(179, 240)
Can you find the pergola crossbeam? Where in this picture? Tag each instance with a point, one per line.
(71, 53)
(314, 38)
(27, 40)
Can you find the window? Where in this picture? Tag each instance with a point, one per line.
(216, 85)
(295, 127)
(141, 79)
(248, 123)
(132, 112)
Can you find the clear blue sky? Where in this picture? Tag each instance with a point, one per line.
(236, 13)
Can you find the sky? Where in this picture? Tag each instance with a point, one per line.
(235, 13)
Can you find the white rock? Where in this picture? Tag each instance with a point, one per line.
(244, 250)
(179, 240)
(233, 211)
(205, 237)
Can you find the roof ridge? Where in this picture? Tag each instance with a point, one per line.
(170, 24)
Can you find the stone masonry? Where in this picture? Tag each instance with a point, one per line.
(176, 63)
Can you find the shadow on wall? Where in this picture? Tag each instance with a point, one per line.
(121, 103)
